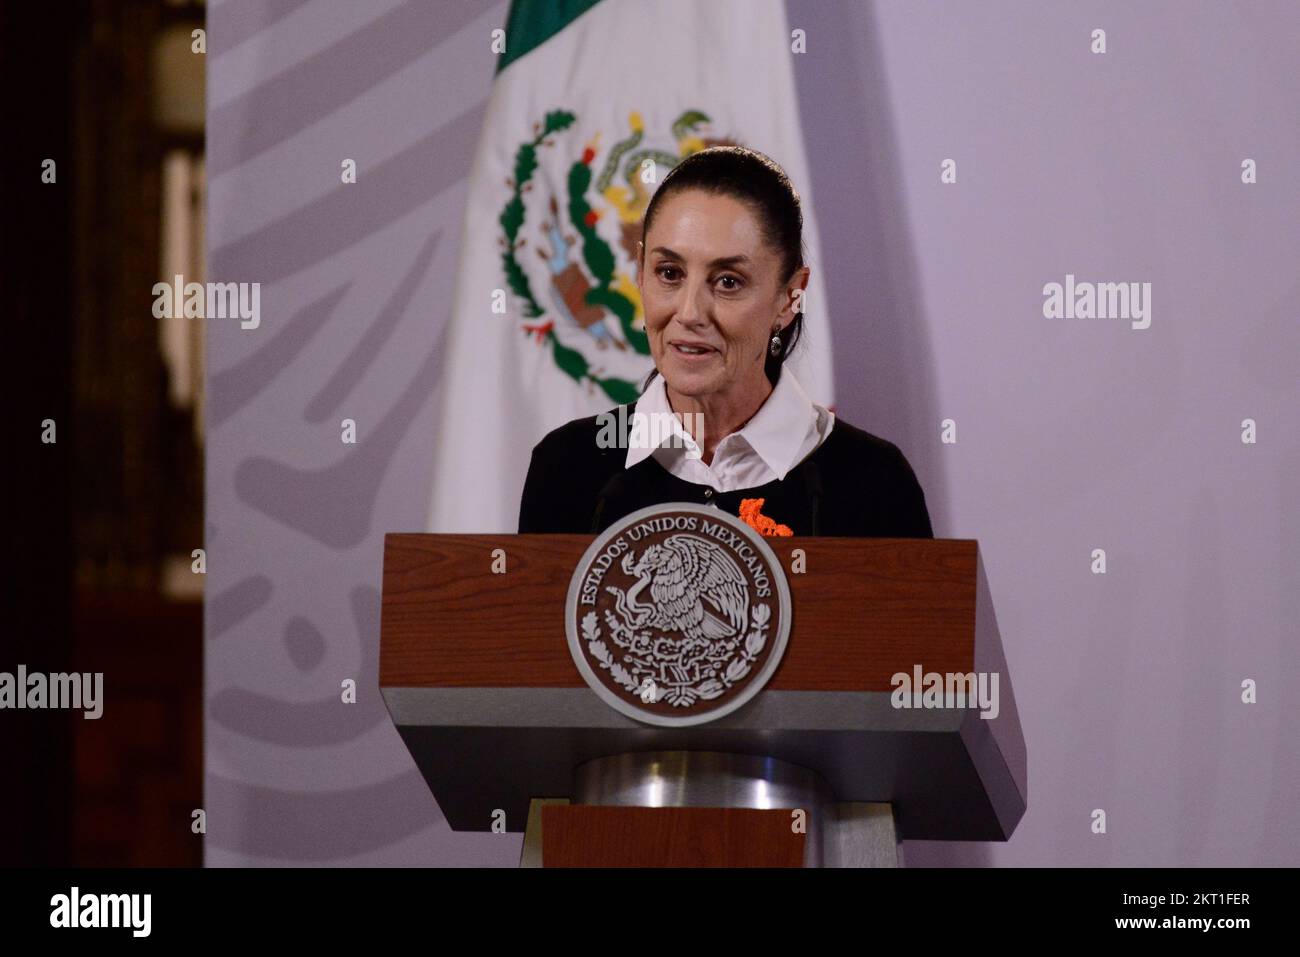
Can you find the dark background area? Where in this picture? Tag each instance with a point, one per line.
(97, 515)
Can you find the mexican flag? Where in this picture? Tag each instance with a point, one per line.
(547, 325)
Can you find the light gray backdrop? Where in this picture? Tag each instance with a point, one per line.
(1072, 434)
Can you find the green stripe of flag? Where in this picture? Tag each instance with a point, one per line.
(532, 22)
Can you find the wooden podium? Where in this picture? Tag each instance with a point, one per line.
(820, 768)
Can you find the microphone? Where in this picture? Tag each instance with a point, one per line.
(813, 476)
(610, 490)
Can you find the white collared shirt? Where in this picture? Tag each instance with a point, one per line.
(784, 431)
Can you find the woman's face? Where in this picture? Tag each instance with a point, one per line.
(711, 293)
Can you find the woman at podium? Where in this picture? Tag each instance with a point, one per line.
(719, 422)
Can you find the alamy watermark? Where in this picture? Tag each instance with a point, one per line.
(75, 909)
(83, 691)
(931, 689)
(650, 430)
(213, 300)
(1102, 300)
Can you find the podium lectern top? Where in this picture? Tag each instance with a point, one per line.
(477, 674)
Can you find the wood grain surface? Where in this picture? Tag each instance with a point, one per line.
(864, 609)
(591, 836)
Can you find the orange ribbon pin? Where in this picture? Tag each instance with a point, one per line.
(752, 515)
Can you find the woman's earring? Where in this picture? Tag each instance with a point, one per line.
(775, 346)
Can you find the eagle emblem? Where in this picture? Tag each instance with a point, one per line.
(569, 227)
(678, 614)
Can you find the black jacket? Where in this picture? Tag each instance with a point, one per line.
(854, 484)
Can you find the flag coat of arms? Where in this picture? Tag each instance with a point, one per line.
(594, 101)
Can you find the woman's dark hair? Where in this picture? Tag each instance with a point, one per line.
(757, 181)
